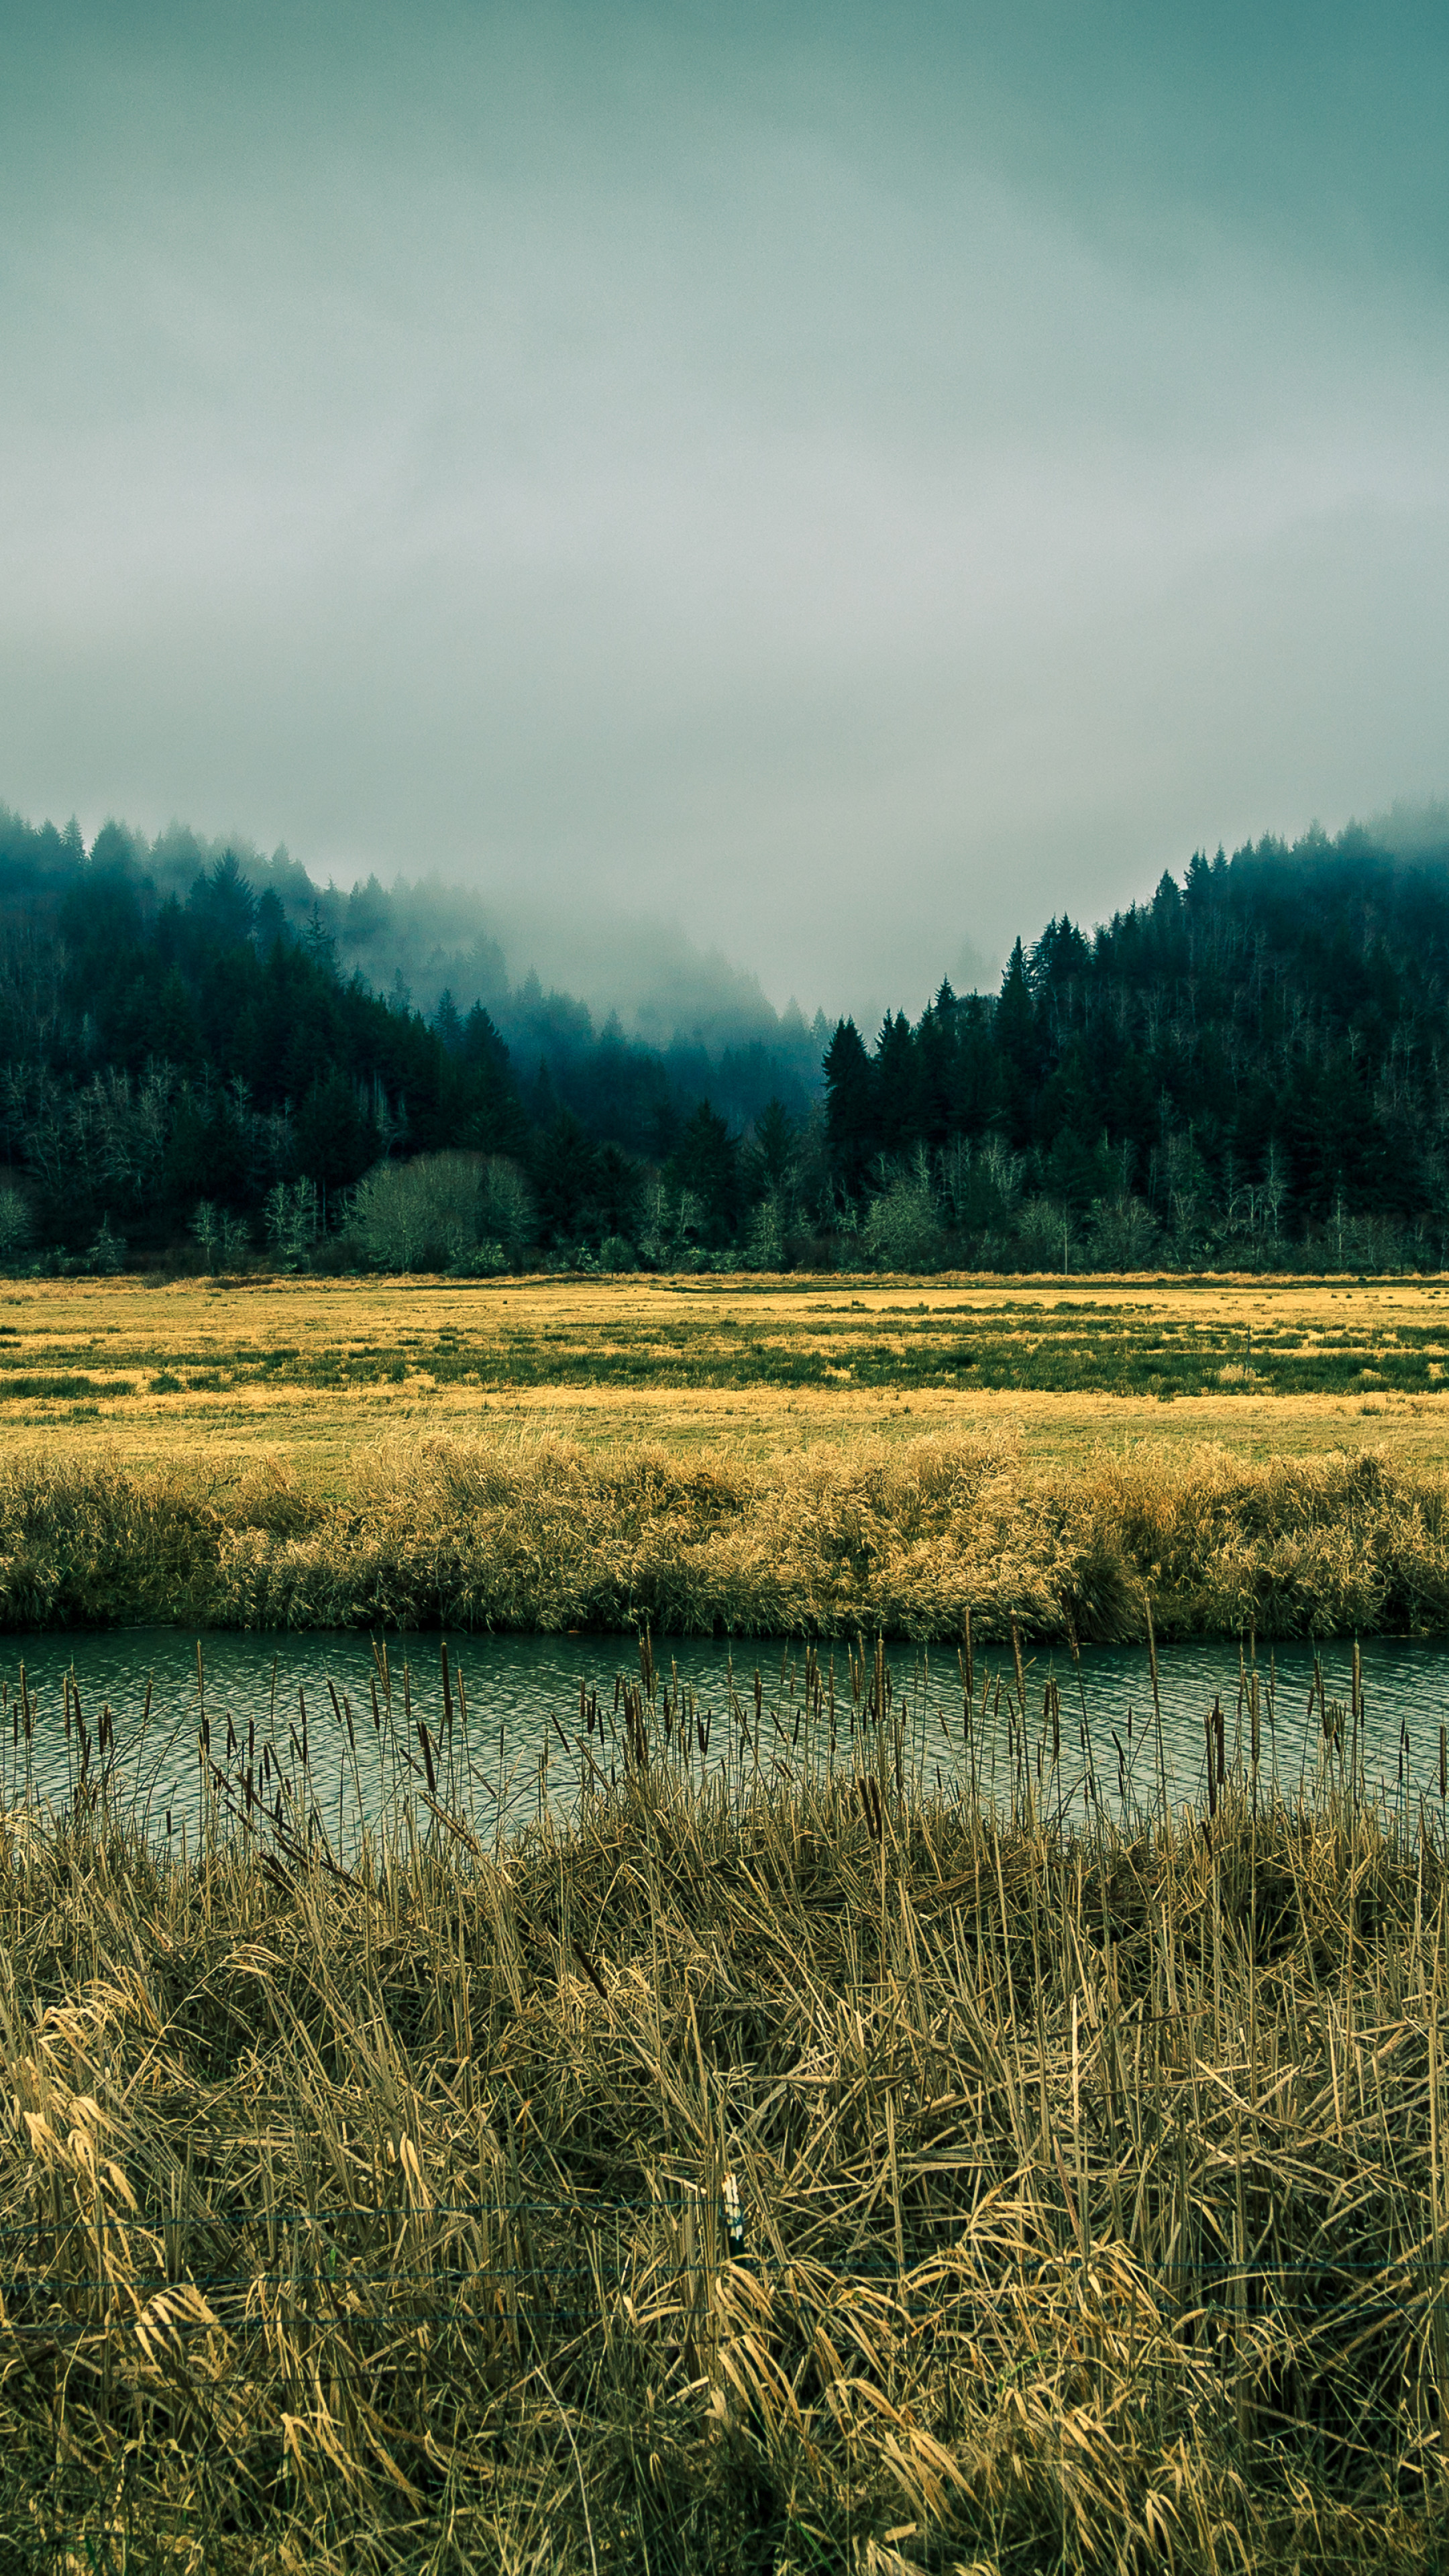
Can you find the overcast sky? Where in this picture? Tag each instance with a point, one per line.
(851, 480)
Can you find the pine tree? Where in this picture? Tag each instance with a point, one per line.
(851, 1127)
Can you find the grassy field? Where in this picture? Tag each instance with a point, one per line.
(814, 1457)
(315, 1368)
(370, 2212)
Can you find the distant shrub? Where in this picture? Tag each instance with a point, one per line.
(485, 1261)
(902, 1229)
(1045, 1235)
(765, 1234)
(1124, 1234)
(16, 1227)
(468, 1213)
(669, 1235)
(293, 1222)
(421, 1215)
(107, 1253)
(222, 1240)
(506, 1213)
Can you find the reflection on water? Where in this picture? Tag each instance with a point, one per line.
(489, 1729)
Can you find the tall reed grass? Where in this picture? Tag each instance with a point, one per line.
(767, 2166)
(875, 1538)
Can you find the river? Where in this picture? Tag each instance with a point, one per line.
(530, 1714)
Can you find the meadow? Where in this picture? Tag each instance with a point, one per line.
(726, 1455)
(770, 2166)
(317, 1366)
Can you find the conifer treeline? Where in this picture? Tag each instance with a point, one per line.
(1253, 1068)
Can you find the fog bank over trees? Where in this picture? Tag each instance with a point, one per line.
(549, 976)
(557, 986)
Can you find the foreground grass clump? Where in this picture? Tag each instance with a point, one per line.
(372, 2213)
(874, 1538)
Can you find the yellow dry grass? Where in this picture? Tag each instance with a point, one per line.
(823, 1455)
(371, 2215)
(897, 1538)
(313, 1370)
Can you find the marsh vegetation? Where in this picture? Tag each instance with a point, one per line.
(911, 1538)
(773, 2164)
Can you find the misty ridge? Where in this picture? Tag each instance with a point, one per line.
(208, 1060)
(625, 980)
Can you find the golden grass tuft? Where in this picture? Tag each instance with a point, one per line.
(369, 2214)
(899, 1538)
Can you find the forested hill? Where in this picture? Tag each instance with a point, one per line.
(174, 1034)
(1252, 1066)
(1247, 1070)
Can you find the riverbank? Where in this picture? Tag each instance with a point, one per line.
(898, 1538)
(379, 2215)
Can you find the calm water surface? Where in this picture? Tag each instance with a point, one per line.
(519, 1719)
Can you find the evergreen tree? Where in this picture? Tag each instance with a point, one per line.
(851, 1125)
(706, 1163)
(563, 1167)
